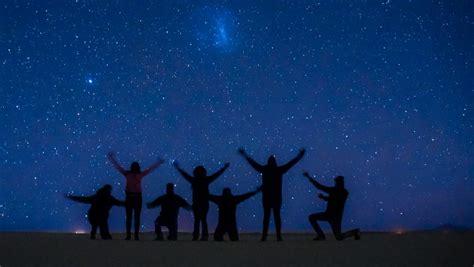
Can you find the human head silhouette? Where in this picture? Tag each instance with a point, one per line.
(199, 171)
(135, 167)
(226, 192)
(339, 181)
(105, 190)
(169, 188)
(272, 161)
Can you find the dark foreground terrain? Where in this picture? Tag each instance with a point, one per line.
(374, 249)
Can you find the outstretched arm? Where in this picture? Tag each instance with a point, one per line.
(155, 203)
(316, 184)
(243, 197)
(87, 200)
(184, 204)
(111, 156)
(153, 167)
(214, 198)
(186, 176)
(117, 202)
(213, 177)
(252, 162)
(291, 163)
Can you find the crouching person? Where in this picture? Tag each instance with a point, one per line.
(170, 204)
(227, 204)
(98, 214)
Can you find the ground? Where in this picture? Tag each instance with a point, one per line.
(374, 249)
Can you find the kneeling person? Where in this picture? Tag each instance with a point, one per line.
(227, 204)
(170, 204)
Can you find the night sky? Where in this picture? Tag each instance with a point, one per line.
(378, 91)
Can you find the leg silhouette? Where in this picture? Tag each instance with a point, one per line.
(233, 233)
(205, 231)
(93, 230)
(266, 221)
(352, 233)
(313, 218)
(129, 213)
(277, 218)
(197, 219)
(158, 224)
(173, 231)
(137, 212)
(219, 233)
(104, 230)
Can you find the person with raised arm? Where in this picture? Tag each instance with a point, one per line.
(170, 204)
(133, 191)
(98, 213)
(200, 185)
(227, 204)
(272, 175)
(336, 199)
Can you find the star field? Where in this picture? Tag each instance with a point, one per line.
(378, 91)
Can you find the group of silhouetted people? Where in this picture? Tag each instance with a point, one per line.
(170, 203)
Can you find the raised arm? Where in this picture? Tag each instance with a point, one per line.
(115, 163)
(213, 177)
(248, 195)
(316, 184)
(87, 200)
(252, 162)
(155, 203)
(291, 163)
(153, 167)
(186, 176)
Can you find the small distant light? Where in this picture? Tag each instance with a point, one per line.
(79, 231)
(399, 232)
(90, 81)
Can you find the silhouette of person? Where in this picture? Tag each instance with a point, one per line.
(170, 204)
(272, 175)
(133, 191)
(336, 199)
(200, 186)
(227, 204)
(98, 213)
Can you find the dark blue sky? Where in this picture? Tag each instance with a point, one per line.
(378, 91)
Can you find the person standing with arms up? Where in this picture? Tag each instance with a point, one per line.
(200, 185)
(272, 175)
(133, 191)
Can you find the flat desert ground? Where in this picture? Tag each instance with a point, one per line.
(374, 249)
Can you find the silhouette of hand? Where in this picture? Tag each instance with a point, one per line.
(302, 151)
(227, 165)
(241, 151)
(306, 174)
(320, 195)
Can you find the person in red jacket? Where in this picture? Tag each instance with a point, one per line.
(133, 191)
